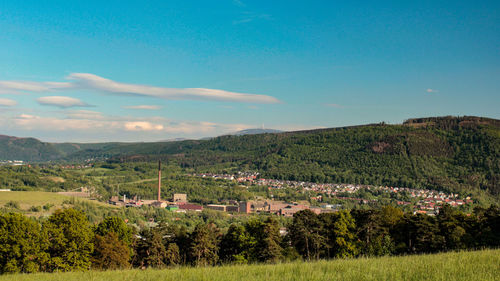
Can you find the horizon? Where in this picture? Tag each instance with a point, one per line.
(147, 72)
(235, 133)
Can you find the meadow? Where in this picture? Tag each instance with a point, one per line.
(32, 202)
(475, 265)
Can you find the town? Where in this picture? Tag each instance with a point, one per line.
(424, 201)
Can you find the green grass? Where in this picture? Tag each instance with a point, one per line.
(478, 265)
(27, 199)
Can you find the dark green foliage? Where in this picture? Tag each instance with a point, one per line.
(306, 235)
(70, 239)
(110, 252)
(67, 243)
(418, 234)
(172, 256)
(204, 245)
(150, 250)
(235, 245)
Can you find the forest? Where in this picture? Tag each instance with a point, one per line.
(67, 241)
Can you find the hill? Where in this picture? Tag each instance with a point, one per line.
(458, 154)
(480, 265)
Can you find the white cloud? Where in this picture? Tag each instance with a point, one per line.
(84, 114)
(94, 82)
(87, 81)
(15, 86)
(432, 91)
(143, 107)
(142, 126)
(108, 127)
(32, 122)
(7, 102)
(60, 101)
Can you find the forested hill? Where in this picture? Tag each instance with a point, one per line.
(452, 153)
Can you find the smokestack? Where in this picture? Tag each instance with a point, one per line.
(159, 180)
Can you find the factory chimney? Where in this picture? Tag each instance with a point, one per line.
(159, 180)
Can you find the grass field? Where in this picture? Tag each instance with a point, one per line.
(28, 199)
(478, 265)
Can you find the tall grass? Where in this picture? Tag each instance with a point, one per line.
(478, 265)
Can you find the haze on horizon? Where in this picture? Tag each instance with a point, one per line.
(98, 71)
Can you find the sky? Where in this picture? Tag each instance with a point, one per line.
(94, 71)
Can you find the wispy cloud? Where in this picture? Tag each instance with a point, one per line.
(61, 101)
(88, 81)
(7, 102)
(335, 105)
(143, 107)
(247, 17)
(84, 114)
(432, 90)
(82, 121)
(239, 3)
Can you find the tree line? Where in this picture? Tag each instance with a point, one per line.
(66, 241)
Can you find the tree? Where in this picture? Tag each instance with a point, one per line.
(270, 246)
(373, 238)
(110, 252)
(418, 234)
(451, 228)
(172, 255)
(305, 234)
(342, 238)
(204, 245)
(235, 245)
(118, 226)
(70, 240)
(22, 244)
(150, 250)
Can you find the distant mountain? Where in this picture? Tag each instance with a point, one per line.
(256, 132)
(456, 154)
(27, 149)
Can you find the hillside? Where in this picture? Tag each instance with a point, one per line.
(457, 154)
(480, 265)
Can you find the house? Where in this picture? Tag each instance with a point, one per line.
(190, 207)
(216, 207)
(179, 197)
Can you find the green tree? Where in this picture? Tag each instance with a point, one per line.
(70, 240)
(110, 252)
(150, 250)
(306, 234)
(342, 240)
(22, 244)
(235, 245)
(172, 255)
(204, 245)
(118, 226)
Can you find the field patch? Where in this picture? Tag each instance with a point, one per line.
(32, 202)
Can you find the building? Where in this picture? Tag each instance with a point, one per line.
(179, 197)
(172, 207)
(245, 207)
(231, 208)
(217, 207)
(190, 207)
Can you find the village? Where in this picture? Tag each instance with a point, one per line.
(425, 201)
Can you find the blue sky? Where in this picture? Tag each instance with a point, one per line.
(155, 70)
